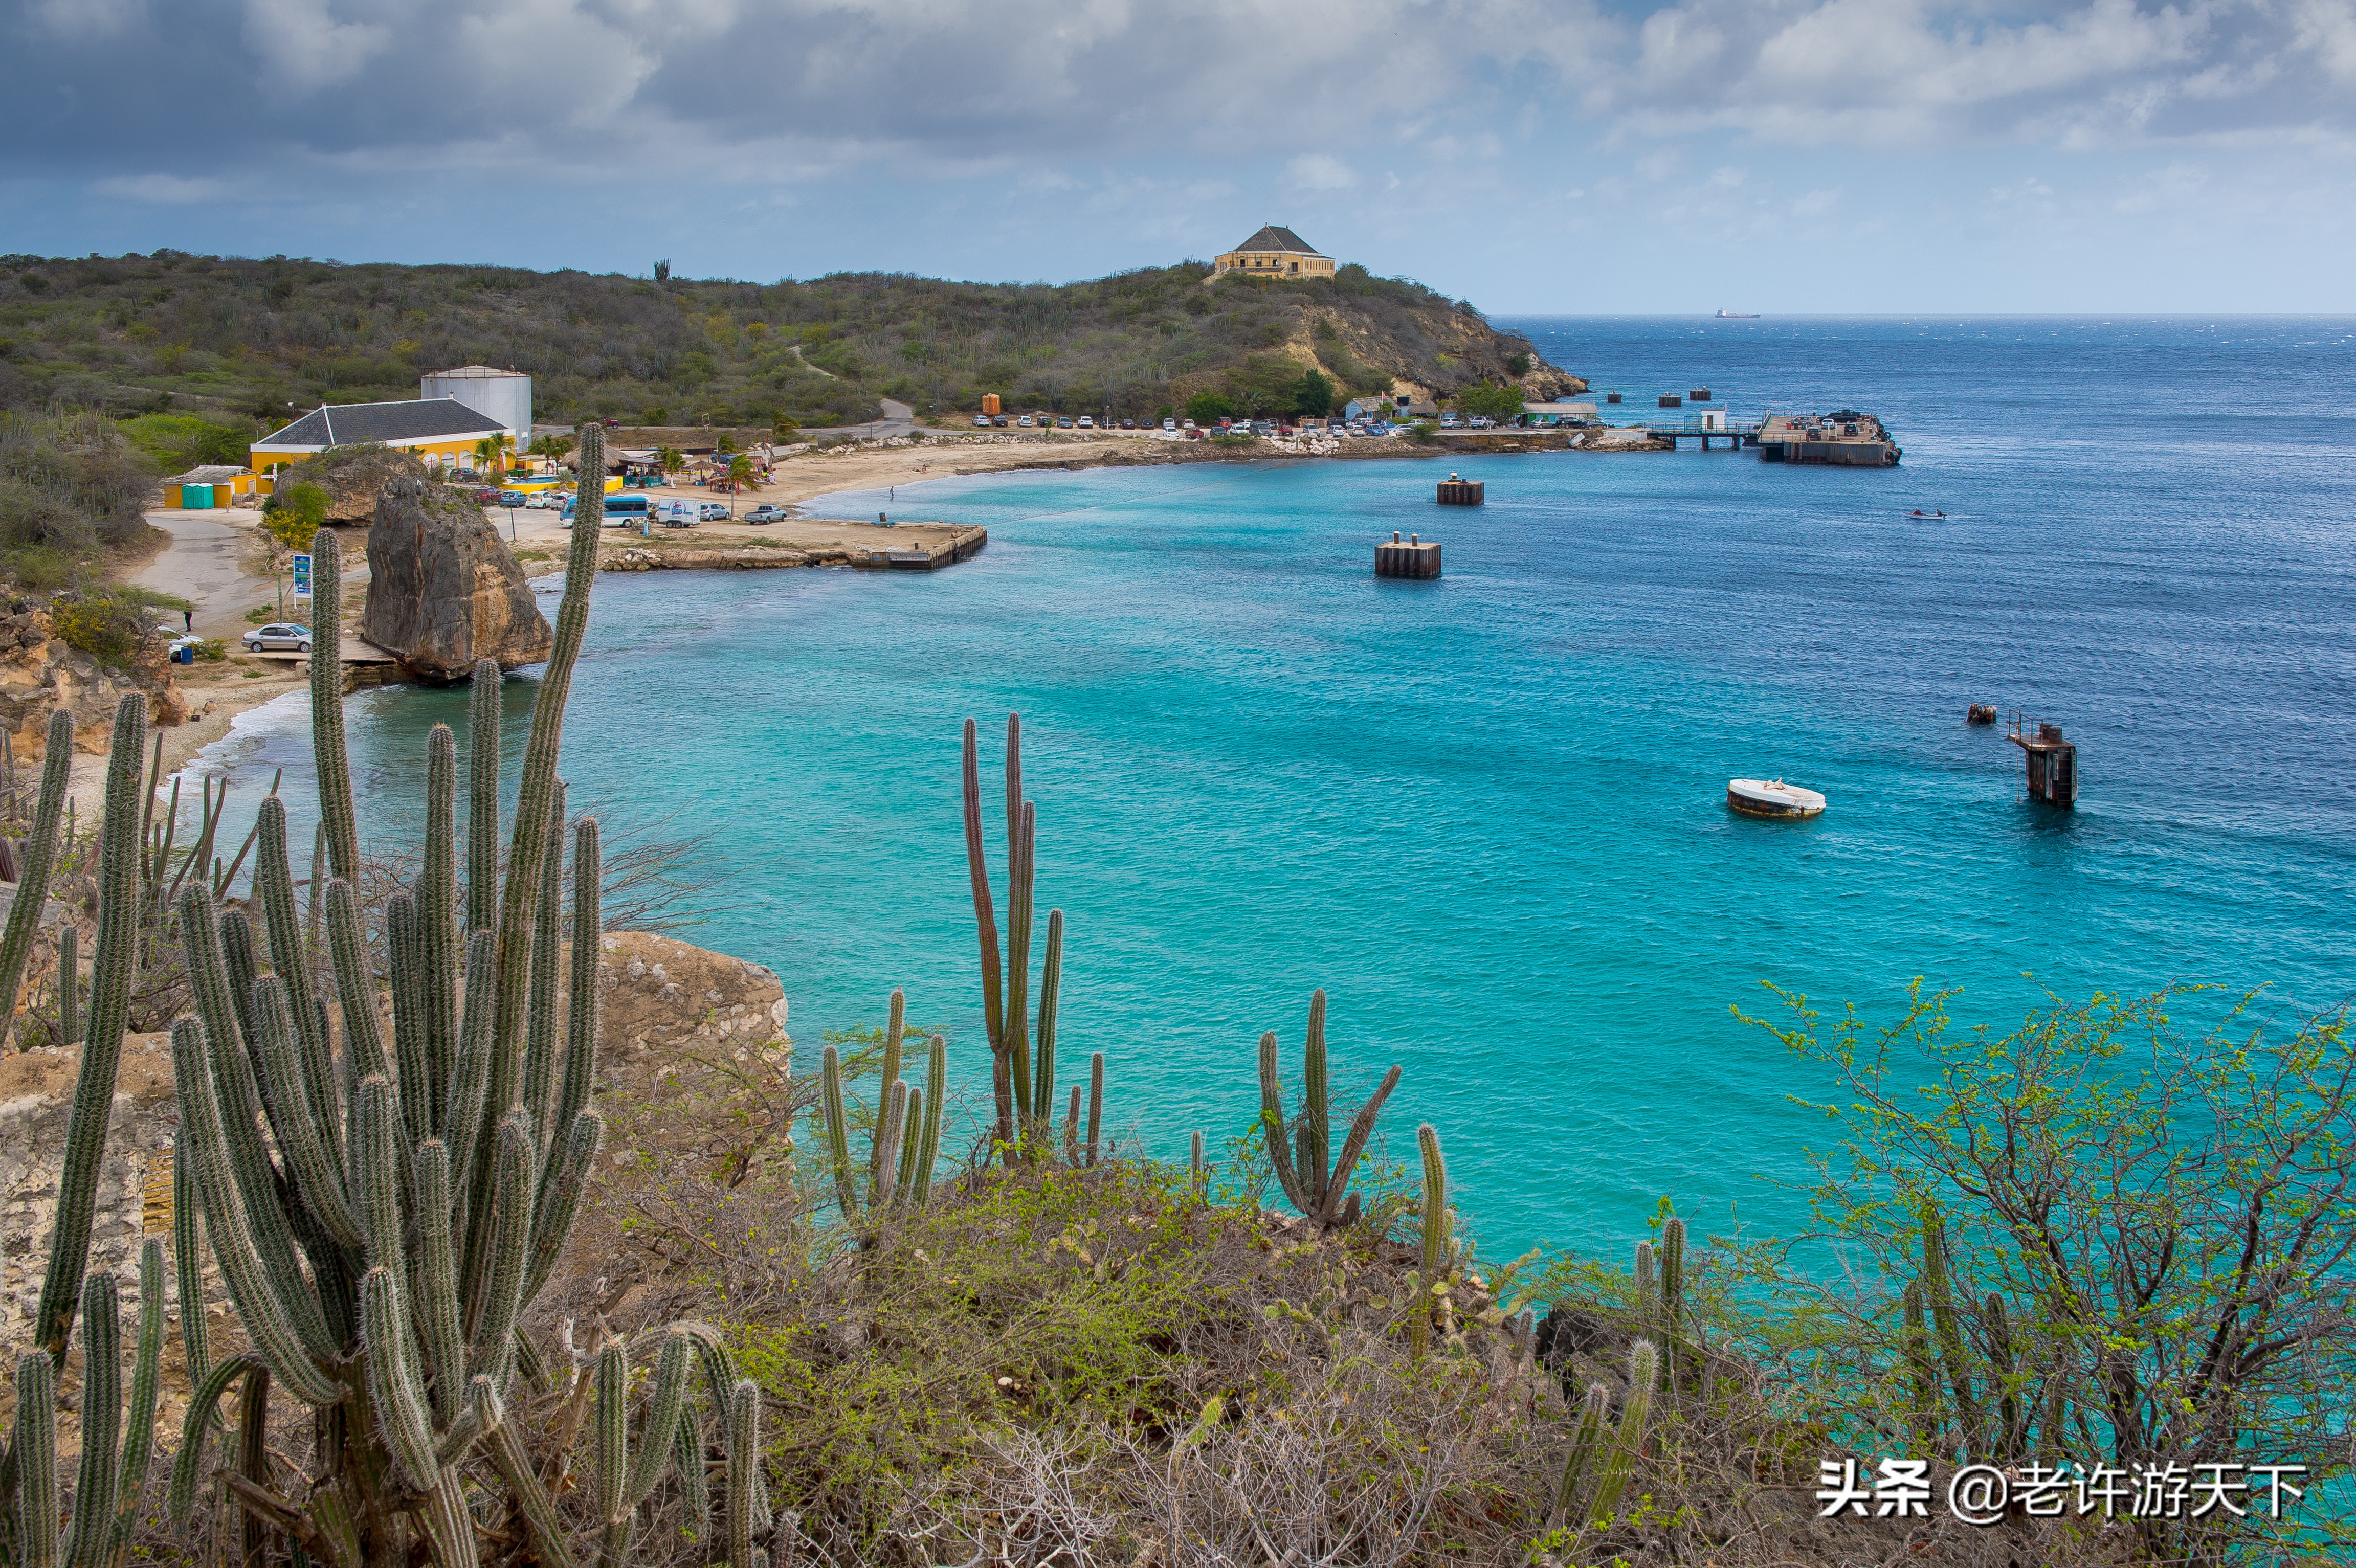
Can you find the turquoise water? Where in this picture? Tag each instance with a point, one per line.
(1486, 812)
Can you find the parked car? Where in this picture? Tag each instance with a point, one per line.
(712, 512)
(765, 513)
(1129, 424)
(998, 420)
(545, 501)
(981, 422)
(1172, 424)
(279, 635)
(1087, 423)
(514, 499)
(1024, 423)
(1065, 422)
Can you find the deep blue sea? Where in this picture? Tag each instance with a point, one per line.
(1486, 814)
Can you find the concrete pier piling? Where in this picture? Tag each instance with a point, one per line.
(2052, 762)
(1455, 492)
(1416, 556)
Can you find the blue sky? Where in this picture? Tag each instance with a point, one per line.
(1785, 155)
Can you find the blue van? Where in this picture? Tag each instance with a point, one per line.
(622, 511)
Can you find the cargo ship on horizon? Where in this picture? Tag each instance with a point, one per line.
(1726, 315)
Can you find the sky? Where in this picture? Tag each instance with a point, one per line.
(1790, 156)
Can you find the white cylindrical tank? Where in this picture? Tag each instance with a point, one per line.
(502, 394)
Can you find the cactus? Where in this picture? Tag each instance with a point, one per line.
(1095, 1102)
(1628, 1438)
(35, 860)
(906, 1144)
(326, 672)
(35, 1452)
(1579, 1471)
(1946, 1328)
(1025, 1090)
(1434, 1265)
(110, 1000)
(624, 1483)
(1298, 1148)
(540, 1040)
(894, 1029)
(483, 797)
(1645, 1273)
(747, 1500)
(928, 1143)
(69, 981)
(1198, 1173)
(437, 918)
(1673, 1278)
(1923, 1376)
(838, 1132)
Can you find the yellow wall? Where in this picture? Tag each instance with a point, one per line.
(1273, 264)
(455, 447)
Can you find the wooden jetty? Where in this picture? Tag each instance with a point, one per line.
(1455, 492)
(2052, 762)
(1416, 558)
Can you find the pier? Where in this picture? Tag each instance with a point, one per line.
(2052, 762)
(1844, 439)
(1455, 492)
(1416, 558)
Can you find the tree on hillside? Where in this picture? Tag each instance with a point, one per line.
(1210, 407)
(1496, 402)
(1315, 396)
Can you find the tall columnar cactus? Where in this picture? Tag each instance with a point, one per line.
(326, 671)
(1580, 1468)
(1628, 1438)
(110, 1002)
(624, 1483)
(928, 1140)
(1025, 1087)
(69, 983)
(483, 797)
(885, 1165)
(1946, 1325)
(1434, 1265)
(1672, 1280)
(35, 860)
(1299, 1148)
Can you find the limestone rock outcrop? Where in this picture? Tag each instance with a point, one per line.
(443, 588)
(40, 674)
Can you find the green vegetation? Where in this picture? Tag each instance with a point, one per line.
(204, 351)
(113, 623)
(70, 488)
(295, 514)
(1495, 401)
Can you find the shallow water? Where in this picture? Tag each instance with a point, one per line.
(1486, 812)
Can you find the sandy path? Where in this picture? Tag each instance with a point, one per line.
(204, 563)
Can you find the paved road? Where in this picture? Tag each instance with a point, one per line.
(201, 565)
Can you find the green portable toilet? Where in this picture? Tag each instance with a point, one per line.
(196, 497)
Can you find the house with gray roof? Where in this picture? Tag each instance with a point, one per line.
(1275, 251)
(438, 429)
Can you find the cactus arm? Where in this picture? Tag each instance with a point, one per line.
(1271, 1118)
(890, 1127)
(913, 1139)
(203, 1416)
(35, 1454)
(929, 1151)
(1072, 1131)
(1579, 1466)
(187, 1263)
(102, 1419)
(540, 1037)
(582, 1005)
(483, 797)
(437, 1282)
(467, 1114)
(508, 1233)
(1316, 1106)
(1197, 1174)
(535, 790)
(110, 1000)
(364, 1051)
(610, 1437)
(1051, 980)
(274, 1331)
(509, 1457)
(552, 1215)
(327, 673)
(318, 1175)
(895, 1033)
(1018, 964)
(663, 1410)
(139, 1427)
(1673, 1277)
(290, 956)
(1362, 1131)
(695, 1486)
(445, 944)
(837, 1133)
(1628, 1441)
(1922, 1377)
(68, 980)
(985, 921)
(1095, 1102)
(1945, 1326)
(35, 859)
(236, 936)
(745, 1481)
(404, 943)
(394, 1385)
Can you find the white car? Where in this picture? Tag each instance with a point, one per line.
(281, 636)
(981, 422)
(545, 501)
(1087, 423)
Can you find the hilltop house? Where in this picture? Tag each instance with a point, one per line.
(441, 430)
(1274, 252)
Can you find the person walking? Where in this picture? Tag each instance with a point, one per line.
(187, 620)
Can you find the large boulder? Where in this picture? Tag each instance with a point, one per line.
(443, 588)
(40, 674)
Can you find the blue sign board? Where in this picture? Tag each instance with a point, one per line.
(301, 577)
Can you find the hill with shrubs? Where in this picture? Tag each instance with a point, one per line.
(205, 352)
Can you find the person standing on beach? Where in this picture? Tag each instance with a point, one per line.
(187, 620)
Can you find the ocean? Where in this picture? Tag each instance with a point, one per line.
(1486, 814)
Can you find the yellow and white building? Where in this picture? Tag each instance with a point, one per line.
(1274, 252)
(441, 430)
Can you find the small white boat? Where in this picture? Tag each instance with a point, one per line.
(1772, 798)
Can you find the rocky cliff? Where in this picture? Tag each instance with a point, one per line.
(443, 588)
(40, 674)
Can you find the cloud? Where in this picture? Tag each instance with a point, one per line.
(1319, 171)
(168, 190)
(305, 47)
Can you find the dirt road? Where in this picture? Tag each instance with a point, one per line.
(204, 564)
